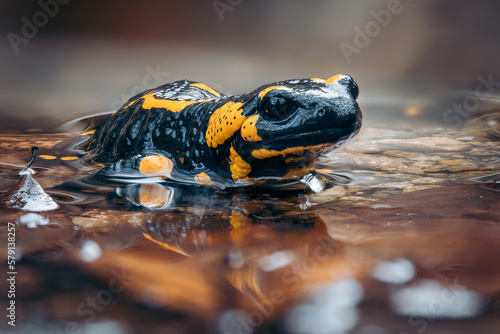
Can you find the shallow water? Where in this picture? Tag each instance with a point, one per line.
(405, 238)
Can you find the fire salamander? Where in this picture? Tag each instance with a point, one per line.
(186, 131)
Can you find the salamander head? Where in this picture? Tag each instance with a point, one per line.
(304, 113)
(285, 126)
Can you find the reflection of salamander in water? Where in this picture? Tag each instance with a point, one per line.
(188, 132)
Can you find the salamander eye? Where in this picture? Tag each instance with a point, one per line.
(278, 108)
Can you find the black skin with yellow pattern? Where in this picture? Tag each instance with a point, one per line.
(274, 132)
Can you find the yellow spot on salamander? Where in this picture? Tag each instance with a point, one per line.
(156, 165)
(69, 158)
(249, 130)
(265, 153)
(334, 79)
(91, 132)
(268, 89)
(47, 157)
(318, 80)
(171, 105)
(223, 123)
(239, 167)
(203, 179)
(205, 87)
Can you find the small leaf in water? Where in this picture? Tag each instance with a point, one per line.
(27, 194)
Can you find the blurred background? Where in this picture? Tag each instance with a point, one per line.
(65, 59)
(420, 65)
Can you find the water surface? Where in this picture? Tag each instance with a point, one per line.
(405, 238)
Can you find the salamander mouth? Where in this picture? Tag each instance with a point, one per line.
(323, 136)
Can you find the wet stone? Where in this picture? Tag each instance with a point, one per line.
(412, 170)
(369, 162)
(386, 193)
(436, 168)
(426, 180)
(404, 162)
(452, 162)
(476, 143)
(466, 138)
(440, 175)
(336, 192)
(431, 144)
(426, 158)
(356, 201)
(400, 154)
(480, 152)
(423, 164)
(395, 185)
(367, 148)
(355, 188)
(474, 174)
(465, 167)
(419, 187)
